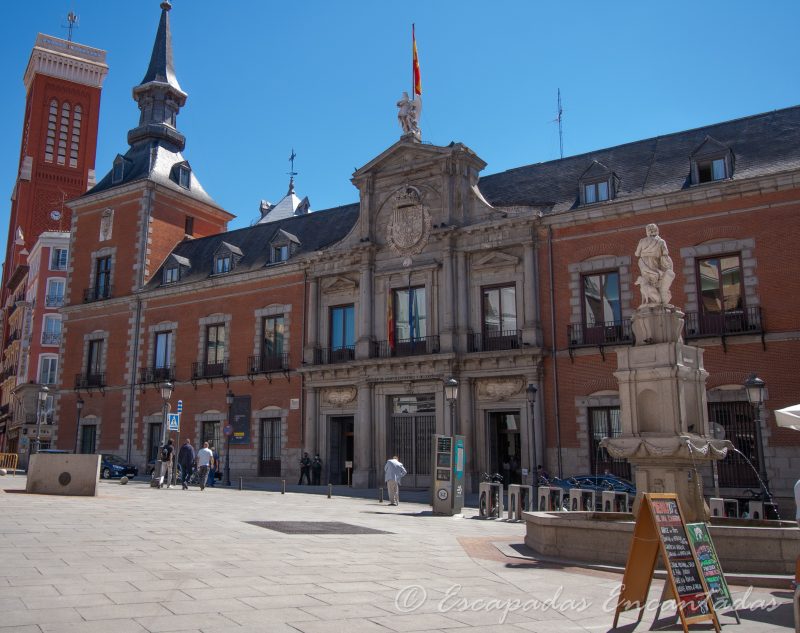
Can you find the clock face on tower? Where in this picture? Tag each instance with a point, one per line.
(55, 215)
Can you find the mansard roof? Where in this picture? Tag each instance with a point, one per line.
(313, 232)
(762, 144)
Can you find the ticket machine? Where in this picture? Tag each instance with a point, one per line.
(449, 459)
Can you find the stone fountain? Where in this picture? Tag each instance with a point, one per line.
(665, 436)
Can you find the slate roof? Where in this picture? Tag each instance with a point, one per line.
(161, 68)
(154, 161)
(761, 144)
(314, 231)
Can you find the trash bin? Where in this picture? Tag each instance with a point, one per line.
(519, 500)
(490, 504)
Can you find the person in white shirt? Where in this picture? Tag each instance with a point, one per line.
(205, 460)
(394, 472)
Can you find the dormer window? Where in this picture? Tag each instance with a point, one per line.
(710, 170)
(280, 253)
(118, 173)
(711, 161)
(222, 264)
(172, 274)
(226, 258)
(597, 184)
(182, 175)
(595, 192)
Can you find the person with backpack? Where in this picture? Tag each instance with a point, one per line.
(166, 464)
(186, 462)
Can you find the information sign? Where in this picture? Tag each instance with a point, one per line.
(174, 420)
(709, 565)
(660, 528)
(180, 406)
(227, 430)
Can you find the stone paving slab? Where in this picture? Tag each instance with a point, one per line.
(66, 566)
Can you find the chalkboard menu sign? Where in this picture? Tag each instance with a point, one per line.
(680, 558)
(661, 529)
(709, 565)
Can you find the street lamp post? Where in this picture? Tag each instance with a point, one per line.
(451, 395)
(78, 407)
(531, 394)
(229, 399)
(43, 392)
(166, 394)
(755, 388)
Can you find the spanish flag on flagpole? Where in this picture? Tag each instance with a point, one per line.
(417, 78)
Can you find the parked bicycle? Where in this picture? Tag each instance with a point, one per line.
(490, 507)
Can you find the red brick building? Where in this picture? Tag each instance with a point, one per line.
(63, 82)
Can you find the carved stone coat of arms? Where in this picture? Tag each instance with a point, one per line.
(410, 223)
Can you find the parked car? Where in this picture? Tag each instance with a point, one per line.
(114, 466)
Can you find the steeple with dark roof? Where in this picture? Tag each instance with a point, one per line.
(159, 95)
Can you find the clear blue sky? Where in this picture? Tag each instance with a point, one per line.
(323, 77)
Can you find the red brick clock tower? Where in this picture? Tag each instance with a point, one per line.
(63, 81)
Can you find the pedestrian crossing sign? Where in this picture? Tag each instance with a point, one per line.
(174, 420)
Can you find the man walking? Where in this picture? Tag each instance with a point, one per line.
(167, 454)
(212, 472)
(205, 461)
(305, 470)
(186, 461)
(394, 472)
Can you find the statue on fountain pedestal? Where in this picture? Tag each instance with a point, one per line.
(655, 265)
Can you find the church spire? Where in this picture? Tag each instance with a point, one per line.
(159, 95)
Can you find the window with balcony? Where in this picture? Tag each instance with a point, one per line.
(55, 293)
(499, 319)
(102, 278)
(605, 422)
(721, 295)
(94, 364)
(215, 350)
(602, 308)
(272, 350)
(343, 333)
(51, 330)
(48, 368)
(162, 361)
(58, 259)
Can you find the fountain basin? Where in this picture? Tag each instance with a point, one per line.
(754, 547)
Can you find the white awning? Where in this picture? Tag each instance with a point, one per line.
(789, 417)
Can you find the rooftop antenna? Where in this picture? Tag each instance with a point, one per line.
(292, 172)
(72, 20)
(559, 117)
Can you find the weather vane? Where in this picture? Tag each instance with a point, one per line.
(292, 172)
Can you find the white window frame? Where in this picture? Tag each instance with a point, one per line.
(52, 359)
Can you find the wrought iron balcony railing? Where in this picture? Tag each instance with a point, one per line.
(90, 381)
(406, 347)
(600, 333)
(267, 363)
(495, 341)
(332, 355)
(98, 293)
(726, 323)
(51, 338)
(210, 370)
(54, 301)
(149, 375)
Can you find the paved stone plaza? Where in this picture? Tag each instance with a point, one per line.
(136, 559)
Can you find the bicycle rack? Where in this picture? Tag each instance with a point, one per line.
(490, 505)
(519, 500)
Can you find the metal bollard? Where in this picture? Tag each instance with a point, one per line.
(380, 494)
(240, 483)
(283, 487)
(330, 490)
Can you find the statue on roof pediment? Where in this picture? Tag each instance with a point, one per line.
(409, 224)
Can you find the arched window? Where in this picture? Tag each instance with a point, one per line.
(76, 136)
(50, 144)
(63, 133)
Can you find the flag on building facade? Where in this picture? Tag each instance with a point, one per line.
(417, 78)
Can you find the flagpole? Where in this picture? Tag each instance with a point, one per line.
(413, 73)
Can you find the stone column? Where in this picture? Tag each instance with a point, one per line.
(448, 303)
(364, 470)
(311, 423)
(312, 340)
(462, 301)
(530, 293)
(466, 425)
(365, 310)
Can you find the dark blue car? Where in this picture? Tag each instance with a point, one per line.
(113, 466)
